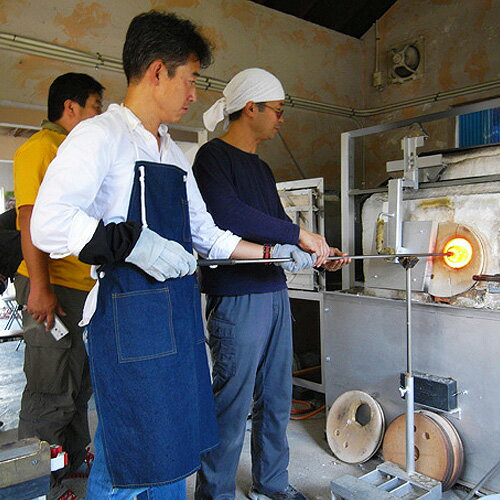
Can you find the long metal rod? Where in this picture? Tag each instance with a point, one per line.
(278, 260)
(409, 367)
(410, 396)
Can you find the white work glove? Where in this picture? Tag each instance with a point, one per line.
(161, 258)
(301, 260)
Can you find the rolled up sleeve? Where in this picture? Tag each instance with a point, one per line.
(62, 221)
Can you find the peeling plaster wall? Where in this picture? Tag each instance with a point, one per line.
(311, 61)
(461, 40)
(461, 48)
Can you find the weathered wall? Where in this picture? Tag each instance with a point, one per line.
(461, 40)
(461, 48)
(311, 61)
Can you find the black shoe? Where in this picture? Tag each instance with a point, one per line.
(289, 494)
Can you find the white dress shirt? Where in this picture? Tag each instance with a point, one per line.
(91, 180)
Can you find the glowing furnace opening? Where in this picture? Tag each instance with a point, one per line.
(461, 253)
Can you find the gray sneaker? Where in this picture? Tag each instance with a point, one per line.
(289, 494)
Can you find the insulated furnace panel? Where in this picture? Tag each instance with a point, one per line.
(303, 201)
(365, 349)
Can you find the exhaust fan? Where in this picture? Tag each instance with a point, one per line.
(406, 61)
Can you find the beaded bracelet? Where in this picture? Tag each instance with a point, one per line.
(267, 251)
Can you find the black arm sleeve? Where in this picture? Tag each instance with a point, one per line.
(111, 243)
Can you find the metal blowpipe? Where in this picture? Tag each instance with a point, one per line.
(278, 260)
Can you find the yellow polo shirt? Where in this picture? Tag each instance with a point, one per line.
(30, 164)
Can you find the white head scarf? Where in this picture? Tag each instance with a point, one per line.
(253, 84)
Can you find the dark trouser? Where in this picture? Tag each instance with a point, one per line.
(54, 401)
(251, 343)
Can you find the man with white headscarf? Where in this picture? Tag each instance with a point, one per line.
(248, 310)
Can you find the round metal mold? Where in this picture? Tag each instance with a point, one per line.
(355, 427)
(447, 281)
(438, 447)
(456, 444)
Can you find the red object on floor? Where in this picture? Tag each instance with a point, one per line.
(58, 457)
(68, 495)
(55, 449)
(89, 459)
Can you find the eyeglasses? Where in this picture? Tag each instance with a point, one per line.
(279, 112)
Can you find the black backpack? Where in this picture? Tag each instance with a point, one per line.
(11, 253)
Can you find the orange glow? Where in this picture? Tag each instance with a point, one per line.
(461, 253)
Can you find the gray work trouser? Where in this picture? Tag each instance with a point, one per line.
(54, 401)
(250, 338)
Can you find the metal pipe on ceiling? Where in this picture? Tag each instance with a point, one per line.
(41, 48)
(19, 43)
(23, 105)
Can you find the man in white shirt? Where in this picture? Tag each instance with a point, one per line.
(121, 195)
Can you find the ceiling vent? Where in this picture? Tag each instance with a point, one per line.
(406, 61)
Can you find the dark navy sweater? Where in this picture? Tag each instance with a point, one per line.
(240, 192)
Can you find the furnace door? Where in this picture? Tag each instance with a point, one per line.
(303, 201)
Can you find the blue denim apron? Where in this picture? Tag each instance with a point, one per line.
(147, 354)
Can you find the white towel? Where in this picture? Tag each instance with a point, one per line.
(253, 84)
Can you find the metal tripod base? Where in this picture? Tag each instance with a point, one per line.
(387, 482)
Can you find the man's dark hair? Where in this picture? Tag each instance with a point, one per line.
(74, 86)
(157, 35)
(234, 116)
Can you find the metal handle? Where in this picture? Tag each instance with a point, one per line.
(232, 262)
(487, 277)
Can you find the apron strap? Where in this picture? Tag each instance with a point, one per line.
(142, 181)
(142, 174)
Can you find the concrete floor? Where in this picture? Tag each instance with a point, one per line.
(312, 465)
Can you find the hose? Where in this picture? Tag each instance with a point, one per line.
(304, 412)
(315, 412)
(309, 410)
(307, 370)
(296, 411)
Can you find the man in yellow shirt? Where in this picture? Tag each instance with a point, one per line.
(54, 401)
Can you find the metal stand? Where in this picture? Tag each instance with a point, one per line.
(408, 392)
(389, 481)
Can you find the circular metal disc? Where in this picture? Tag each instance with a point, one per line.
(433, 450)
(456, 444)
(447, 282)
(355, 427)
